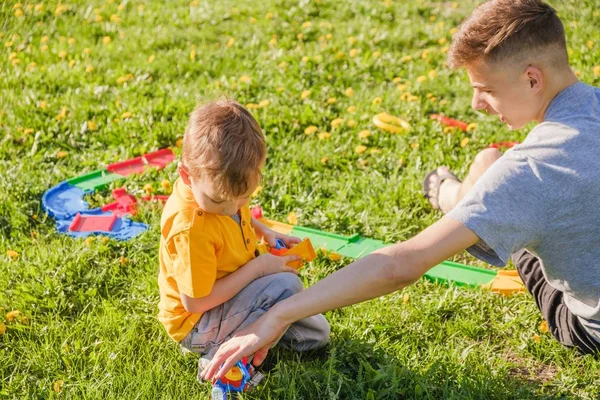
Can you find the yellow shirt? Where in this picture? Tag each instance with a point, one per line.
(196, 249)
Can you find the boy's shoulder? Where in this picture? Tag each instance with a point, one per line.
(181, 213)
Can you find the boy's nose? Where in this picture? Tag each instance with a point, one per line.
(476, 102)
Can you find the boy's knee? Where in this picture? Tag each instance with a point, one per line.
(485, 158)
(288, 284)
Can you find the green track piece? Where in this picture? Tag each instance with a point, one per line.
(460, 274)
(94, 180)
(357, 247)
(320, 239)
(361, 247)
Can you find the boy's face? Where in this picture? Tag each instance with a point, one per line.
(509, 92)
(210, 199)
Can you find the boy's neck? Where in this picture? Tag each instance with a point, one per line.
(556, 85)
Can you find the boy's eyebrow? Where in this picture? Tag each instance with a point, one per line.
(480, 86)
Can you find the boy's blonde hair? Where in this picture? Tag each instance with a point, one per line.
(224, 143)
(514, 30)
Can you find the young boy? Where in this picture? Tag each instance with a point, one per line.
(537, 203)
(212, 281)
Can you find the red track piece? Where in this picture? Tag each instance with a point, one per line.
(159, 158)
(128, 167)
(92, 223)
(503, 145)
(446, 121)
(124, 204)
(257, 212)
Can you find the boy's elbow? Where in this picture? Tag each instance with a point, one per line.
(402, 271)
(193, 305)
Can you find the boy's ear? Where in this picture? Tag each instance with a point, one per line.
(535, 79)
(185, 176)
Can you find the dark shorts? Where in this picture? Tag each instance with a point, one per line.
(563, 325)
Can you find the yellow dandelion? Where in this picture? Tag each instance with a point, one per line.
(179, 142)
(536, 338)
(89, 69)
(305, 59)
(306, 24)
(43, 104)
(351, 40)
(151, 59)
(230, 42)
(8, 44)
(264, 103)
(353, 52)
(300, 36)
(39, 7)
(12, 254)
(472, 126)
(273, 40)
(43, 48)
(283, 65)
(71, 41)
(98, 18)
(62, 54)
(11, 315)
(2, 329)
(363, 162)
(126, 115)
(280, 89)
(331, 100)
(349, 92)
(421, 79)
(406, 58)
(351, 123)
(269, 16)
(443, 40)
(376, 54)
(324, 135)
(405, 298)
(339, 55)
(334, 256)
(165, 184)
(193, 55)
(414, 146)
(115, 18)
(464, 142)
(375, 151)
(62, 154)
(336, 122)
(590, 44)
(445, 49)
(432, 74)
(18, 12)
(62, 114)
(449, 129)
(252, 20)
(245, 79)
(596, 71)
(60, 9)
(351, 109)
(57, 386)
(376, 100)
(28, 131)
(310, 130)
(106, 39)
(305, 94)
(364, 134)
(324, 160)
(252, 106)
(87, 50)
(122, 260)
(360, 149)
(148, 188)
(292, 218)
(257, 191)
(318, 58)
(91, 125)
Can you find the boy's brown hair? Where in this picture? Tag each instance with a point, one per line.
(224, 143)
(498, 30)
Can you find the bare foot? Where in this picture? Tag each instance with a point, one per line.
(441, 189)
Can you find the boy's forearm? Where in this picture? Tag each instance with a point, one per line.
(223, 290)
(382, 272)
(259, 228)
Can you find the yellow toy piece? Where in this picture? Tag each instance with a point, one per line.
(234, 374)
(305, 250)
(391, 124)
(507, 282)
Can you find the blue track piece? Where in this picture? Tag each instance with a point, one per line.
(64, 201)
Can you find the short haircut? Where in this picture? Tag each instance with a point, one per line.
(224, 143)
(513, 30)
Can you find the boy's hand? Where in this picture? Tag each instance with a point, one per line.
(267, 264)
(271, 237)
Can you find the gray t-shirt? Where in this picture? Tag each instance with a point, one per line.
(544, 195)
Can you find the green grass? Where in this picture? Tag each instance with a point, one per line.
(90, 308)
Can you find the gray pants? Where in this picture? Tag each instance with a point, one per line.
(222, 322)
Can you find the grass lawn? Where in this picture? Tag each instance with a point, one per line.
(87, 83)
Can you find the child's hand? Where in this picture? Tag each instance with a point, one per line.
(267, 264)
(272, 236)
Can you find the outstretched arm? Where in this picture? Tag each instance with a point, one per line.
(382, 272)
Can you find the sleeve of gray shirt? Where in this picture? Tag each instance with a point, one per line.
(504, 208)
